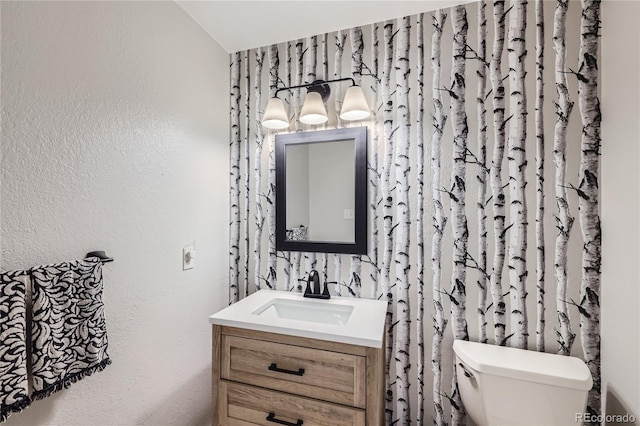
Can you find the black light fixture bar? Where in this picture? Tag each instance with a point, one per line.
(320, 86)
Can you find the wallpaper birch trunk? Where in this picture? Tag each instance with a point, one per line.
(420, 216)
(497, 187)
(482, 171)
(373, 165)
(403, 238)
(456, 156)
(539, 117)
(457, 195)
(257, 169)
(588, 192)
(234, 193)
(517, 181)
(270, 194)
(246, 173)
(387, 205)
(439, 219)
(564, 218)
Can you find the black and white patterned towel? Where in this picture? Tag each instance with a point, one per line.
(14, 388)
(68, 333)
(298, 234)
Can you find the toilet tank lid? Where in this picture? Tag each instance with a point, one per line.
(519, 364)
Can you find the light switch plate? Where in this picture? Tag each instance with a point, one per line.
(349, 214)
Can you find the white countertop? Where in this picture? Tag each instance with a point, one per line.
(365, 326)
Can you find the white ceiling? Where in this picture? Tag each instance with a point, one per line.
(240, 24)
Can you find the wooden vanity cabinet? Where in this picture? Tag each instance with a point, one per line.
(262, 378)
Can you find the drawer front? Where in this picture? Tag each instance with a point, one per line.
(248, 405)
(326, 375)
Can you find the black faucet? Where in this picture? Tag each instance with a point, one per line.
(314, 292)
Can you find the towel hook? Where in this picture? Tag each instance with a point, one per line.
(100, 254)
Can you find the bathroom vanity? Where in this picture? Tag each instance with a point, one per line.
(282, 359)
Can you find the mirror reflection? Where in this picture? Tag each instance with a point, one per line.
(320, 186)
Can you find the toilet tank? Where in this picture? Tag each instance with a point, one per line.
(508, 386)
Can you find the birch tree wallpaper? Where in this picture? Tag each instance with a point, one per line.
(480, 162)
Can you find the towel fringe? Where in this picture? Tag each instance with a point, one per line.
(16, 407)
(67, 381)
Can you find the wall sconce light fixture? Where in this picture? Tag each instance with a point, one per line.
(354, 106)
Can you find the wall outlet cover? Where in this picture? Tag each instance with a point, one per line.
(188, 257)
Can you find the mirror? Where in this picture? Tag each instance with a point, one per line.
(321, 191)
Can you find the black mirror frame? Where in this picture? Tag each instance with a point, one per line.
(359, 246)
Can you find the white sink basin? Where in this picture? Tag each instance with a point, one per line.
(339, 319)
(303, 310)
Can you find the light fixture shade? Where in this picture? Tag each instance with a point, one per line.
(275, 115)
(355, 106)
(313, 110)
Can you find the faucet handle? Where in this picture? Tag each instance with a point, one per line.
(308, 290)
(325, 291)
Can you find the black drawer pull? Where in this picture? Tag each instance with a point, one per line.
(274, 367)
(272, 418)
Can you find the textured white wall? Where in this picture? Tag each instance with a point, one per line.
(620, 207)
(115, 137)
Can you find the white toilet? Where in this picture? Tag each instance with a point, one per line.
(508, 386)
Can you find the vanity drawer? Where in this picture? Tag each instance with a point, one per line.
(248, 405)
(326, 375)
